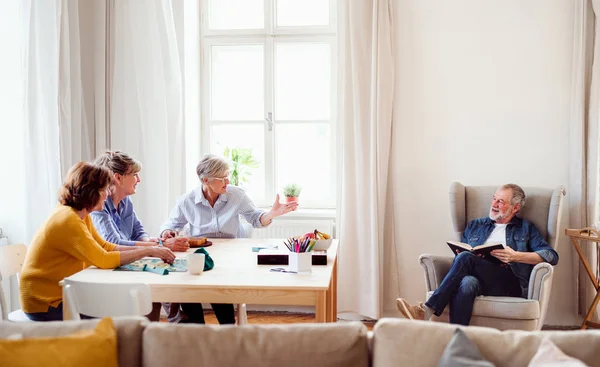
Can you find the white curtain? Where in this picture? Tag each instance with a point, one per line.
(368, 281)
(146, 103)
(585, 118)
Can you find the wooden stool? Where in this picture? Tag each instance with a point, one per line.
(588, 235)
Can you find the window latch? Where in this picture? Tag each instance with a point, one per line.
(269, 120)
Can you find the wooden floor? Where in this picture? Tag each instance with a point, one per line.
(274, 318)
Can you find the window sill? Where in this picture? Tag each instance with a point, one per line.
(307, 214)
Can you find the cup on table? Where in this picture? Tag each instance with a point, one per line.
(195, 262)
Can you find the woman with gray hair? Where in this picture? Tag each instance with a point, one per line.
(213, 210)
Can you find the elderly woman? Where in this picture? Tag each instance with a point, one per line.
(213, 210)
(68, 242)
(117, 222)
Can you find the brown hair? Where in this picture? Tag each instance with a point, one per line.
(83, 184)
(119, 162)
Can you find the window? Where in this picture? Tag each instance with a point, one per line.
(269, 77)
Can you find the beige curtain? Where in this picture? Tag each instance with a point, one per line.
(367, 273)
(583, 160)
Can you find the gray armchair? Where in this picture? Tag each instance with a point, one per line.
(543, 208)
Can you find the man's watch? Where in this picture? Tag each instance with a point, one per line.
(160, 242)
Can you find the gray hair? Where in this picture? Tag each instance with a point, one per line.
(119, 162)
(517, 194)
(212, 166)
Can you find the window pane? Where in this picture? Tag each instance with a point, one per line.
(244, 136)
(237, 88)
(236, 14)
(302, 13)
(302, 81)
(303, 156)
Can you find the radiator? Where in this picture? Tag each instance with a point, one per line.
(286, 228)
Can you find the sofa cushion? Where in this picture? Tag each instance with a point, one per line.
(129, 334)
(504, 307)
(340, 344)
(462, 352)
(549, 355)
(399, 342)
(93, 348)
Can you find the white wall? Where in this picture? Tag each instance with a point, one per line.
(483, 97)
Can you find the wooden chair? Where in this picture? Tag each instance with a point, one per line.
(12, 258)
(103, 300)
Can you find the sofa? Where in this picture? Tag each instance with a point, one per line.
(393, 342)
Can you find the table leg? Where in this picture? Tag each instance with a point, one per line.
(321, 307)
(332, 296)
(65, 305)
(585, 263)
(591, 311)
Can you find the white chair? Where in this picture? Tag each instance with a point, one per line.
(12, 258)
(103, 300)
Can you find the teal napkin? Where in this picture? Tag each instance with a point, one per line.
(208, 261)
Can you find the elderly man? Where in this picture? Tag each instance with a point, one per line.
(471, 275)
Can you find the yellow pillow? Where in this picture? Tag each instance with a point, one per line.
(89, 348)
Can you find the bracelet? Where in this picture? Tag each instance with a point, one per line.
(160, 242)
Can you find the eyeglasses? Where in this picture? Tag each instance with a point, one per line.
(222, 179)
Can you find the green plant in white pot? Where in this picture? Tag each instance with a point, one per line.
(291, 192)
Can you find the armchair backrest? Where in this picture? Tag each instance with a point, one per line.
(542, 207)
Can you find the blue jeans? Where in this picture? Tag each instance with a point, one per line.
(469, 277)
(53, 314)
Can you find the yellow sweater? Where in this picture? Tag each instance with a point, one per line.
(64, 245)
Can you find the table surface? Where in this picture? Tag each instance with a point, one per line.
(235, 267)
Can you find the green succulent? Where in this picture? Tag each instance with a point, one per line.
(292, 190)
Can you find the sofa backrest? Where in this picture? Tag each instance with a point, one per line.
(129, 334)
(340, 344)
(399, 342)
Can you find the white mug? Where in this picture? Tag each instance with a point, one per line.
(195, 263)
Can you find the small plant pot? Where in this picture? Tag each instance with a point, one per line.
(291, 199)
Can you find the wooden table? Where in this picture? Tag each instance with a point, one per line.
(589, 235)
(236, 278)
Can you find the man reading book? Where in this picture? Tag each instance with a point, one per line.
(471, 275)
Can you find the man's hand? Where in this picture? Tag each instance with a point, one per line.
(507, 255)
(180, 244)
(164, 254)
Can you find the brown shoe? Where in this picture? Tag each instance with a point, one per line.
(409, 311)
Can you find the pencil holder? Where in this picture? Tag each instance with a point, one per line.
(300, 262)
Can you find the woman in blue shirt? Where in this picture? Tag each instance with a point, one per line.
(118, 223)
(213, 210)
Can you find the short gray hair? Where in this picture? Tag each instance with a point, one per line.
(119, 162)
(212, 166)
(517, 194)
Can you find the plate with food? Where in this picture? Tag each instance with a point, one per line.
(199, 242)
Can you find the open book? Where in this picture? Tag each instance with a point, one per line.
(483, 250)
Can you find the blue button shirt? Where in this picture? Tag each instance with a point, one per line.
(220, 221)
(120, 226)
(521, 235)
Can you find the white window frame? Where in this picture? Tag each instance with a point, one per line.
(269, 36)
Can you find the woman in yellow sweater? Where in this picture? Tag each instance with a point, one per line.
(68, 242)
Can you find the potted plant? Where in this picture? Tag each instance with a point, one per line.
(242, 161)
(291, 192)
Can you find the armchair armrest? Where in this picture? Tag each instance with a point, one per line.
(540, 281)
(436, 267)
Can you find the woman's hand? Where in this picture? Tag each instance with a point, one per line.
(282, 208)
(163, 253)
(180, 244)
